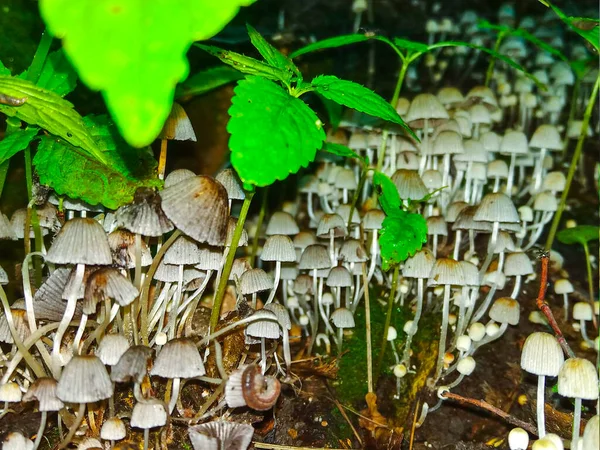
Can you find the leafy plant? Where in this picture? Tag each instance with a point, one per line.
(141, 56)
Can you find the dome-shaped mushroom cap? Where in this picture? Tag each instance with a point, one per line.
(221, 435)
(542, 355)
(497, 168)
(432, 179)
(132, 365)
(578, 378)
(344, 212)
(409, 184)
(278, 247)
(84, 380)
(546, 136)
(471, 273)
(177, 176)
(315, 257)
(466, 221)
(178, 358)
(255, 280)
(505, 310)
(81, 240)
(266, 327)
(563, 286)
(518, 439)
(44, 391)
(282, 223)
(113, 429)
(149, 414)
(554, 181)
(545, 201)
(339, 276)
(466, 365)
(229, 179)
(517, 263)
(343, 318)
(198, 206)
(329, 223)
(282, 314)
(437, 225)
(353, 252)
(454, 210)
(591, 434)
(446, 271)
(514, 142)
(111, 348)
(16, 441)
(106, 283)
(373, 219)
(497, 207)
(582, 311)
(419, 265)
(10, 392)
(144, 216)
(425, 106)
(183, 251)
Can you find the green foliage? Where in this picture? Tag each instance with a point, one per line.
(273, 133)
(4, 71)
(49, 111)
(358, 97)
(71, 172)
(416, 47)
(272, 56)
(344, 151)
(57, 75)
(206, 81)
(134, 52)
(15, 142)
(334, 42)
(387, 192)
(580, 234)
(587, 28)
(334, 112)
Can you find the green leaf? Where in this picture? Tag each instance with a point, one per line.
(272, 56)
(206, 81)
(135, 52)
(4, 70)
(387, 192)
(580, 234)
(58, 75)
(70, 172)
(342, 150)
(247, 64)
(16, 141)
(586, 27)
(358, 97)
(334, 111)
(403, 233)
(49, 111)
(334, 42)
(411, 45)
(273, 133)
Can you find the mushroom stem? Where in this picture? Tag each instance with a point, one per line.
(40, 432)
(444, 332)
(78, 419)
(79, 333)
(511, 174)
(457, 244)
(540, 406)
(315, 321)
(490, 249)
(515, 292)
(174, 394)
(486, 304)
(276, 283)
(146, 438)
(415, 324)
(576, 423)
(584, 334)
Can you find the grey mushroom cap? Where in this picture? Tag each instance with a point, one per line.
(221, 435)
(144, 216)
(48, 302)
(84, 380)
(177, 176)
(132, 365)
(282, 223)
(278, 247)
(314, 257)
(148, 414)
(229, 179)
(255, 280)
(178, 358)
(81, 240)
(44, 391)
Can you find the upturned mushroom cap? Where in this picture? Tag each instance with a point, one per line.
(198, 206)
(542, 355)
(221, 435)
(179, 358)
(578, 378)
(84, 380)
(81, 240)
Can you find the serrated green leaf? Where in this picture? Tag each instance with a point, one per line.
(342, 150)
(206, 81)
(16, 141)
(247, 64)
(358, 97)
(49, 111)
(411, 45)
(272, 56)
(588, 28)
(273, 133)
(57, 75)
(334, 42)
(402, 234)
(580, 234)
(135, 52)
(387, 193)
(70, 172)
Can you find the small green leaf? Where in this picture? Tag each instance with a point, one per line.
(334, 42)
(247, 64)
(402, 235)
(135, 51)
(15, 142)
(387, 192)
(334, 111)
(206, 81)
(342, 150)
(588, 28)
(70, 172)
(358, 97)
(580, 234)
(49, 111)
(272, 56)
(273, 133)
(58, 75)
(411, 45)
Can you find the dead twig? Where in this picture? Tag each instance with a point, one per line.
(340, 407)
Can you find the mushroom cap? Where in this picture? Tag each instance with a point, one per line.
(446, 271)
(582, 311)
(282, 223)
(84, 380)
(111, 348)
(314, 257)
(113, 429)
(343, 318)
(219, 435)
(149, 414)
(178, 358)
(591, 434)
(517, 263)
(339, 276)
(578, 378)
(255, 280)
(542, 355)
(505, 310)
(466, 365)
(44, 391)
(177, 176)
(229, 179)
(331, 222)
(419, 265)
(278, 247)
(267, 328)
(144, 215)
(497, 207)
(81, 240)
(409, 184)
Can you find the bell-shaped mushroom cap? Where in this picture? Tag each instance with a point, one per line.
(47, 301)
(480, 114)
(148, 414)
(266, 326)
(490, 141)
(345, 179)
(447, 142)
(517, 263)
(278, 247)
(44, 391)
(84, 380)
(450, 96)
(183, 251)
(343, 318)
(304, 239)
(17, 222)
(582, 311)
(177, 176)
(211, 258)
(122, 245)
(497, 207)
(113, 429)
(546, 136)
(514, 142)
(454, 210)
(179, 358)
(231, 225)
(518, 439)
(111, 348)
(466, 221)
(239, 267)
(178, 126)
(353, 252)
(10, 393)
(578, 378)
(133, 365)
(315, 257)
(16, 441)
(373, 219)
(505, 310)
(108, 283)
(329, 223)
(409, 184)
(419, 265)
(344, 212)
(229, 179)
(303, 284)
(497, 169)
(339, 276)
(20, 322)
(426, 106)
(554, 181)
(437, 225)
(144, 215)
(282, 223)
(255, 280)
(198, 206)
(6, 229)
(89, 443)
(591, 434)
(471, 273)
(432, 179)
(81, 240)
(282, 314)
(545, 201)
(168, 273)
(563, 286)
(446, 271)
(483, 95)
(221, 435)
(542, 355)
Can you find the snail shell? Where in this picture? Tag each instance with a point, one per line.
(11, 101)
(260, 392)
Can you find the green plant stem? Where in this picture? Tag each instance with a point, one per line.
(261, 218)
(490, 69)
(39, 58)
(588, 266)
(216, 309)
(33, 219)
(388, 321)
(3, 171)
(574, 163)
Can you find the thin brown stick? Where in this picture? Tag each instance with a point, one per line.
(262, 445)
(340, 407)
(497, 411)
(414, 425)
(545, 308)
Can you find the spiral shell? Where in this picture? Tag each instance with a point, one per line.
(260, 392)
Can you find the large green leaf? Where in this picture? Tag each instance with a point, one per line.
(206, 81)
(272, 56)
(134, 52)
(588, 28)
(273, 133)
(70, 172)
(387, 192)
(48, 110)
(16, 141)
(247, 64)
(334, 42)
(580, 234)
(403, 233)
(358, 97)
(58, 75)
